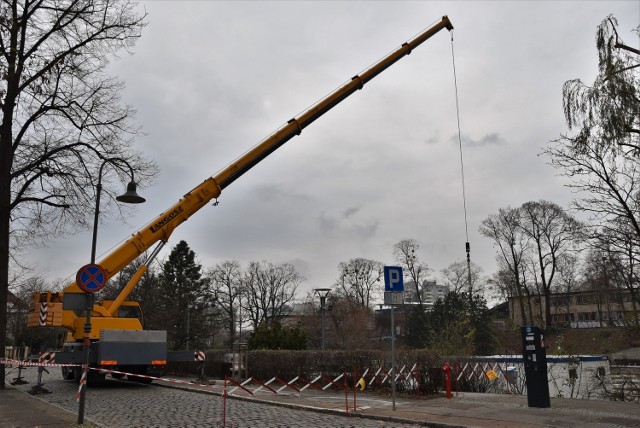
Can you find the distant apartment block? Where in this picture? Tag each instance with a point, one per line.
(430, 292)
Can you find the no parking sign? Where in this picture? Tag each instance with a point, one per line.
(91, 278)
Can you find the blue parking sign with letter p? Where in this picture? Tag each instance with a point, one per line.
(393, 278)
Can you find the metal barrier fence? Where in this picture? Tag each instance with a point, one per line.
(16, 352)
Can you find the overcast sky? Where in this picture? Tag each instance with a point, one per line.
(211, 79)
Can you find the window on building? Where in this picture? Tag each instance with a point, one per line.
(559, 301)
(584, 299)
(562, 318)
(587, 316)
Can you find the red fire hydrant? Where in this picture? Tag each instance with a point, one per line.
(447, 374)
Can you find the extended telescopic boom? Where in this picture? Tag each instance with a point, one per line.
(161, 228)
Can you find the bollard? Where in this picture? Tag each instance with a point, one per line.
(447, 371)
(346, 394)
(355, 386)
(19, 380)
(202, 378)
(224, 406)
(38, 388)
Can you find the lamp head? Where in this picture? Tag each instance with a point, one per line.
(322, 292)
(131, 196)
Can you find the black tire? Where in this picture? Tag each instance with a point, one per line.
(77, 374)
(94, 377)
(67, 373)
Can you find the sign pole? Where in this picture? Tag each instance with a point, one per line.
(90, 278)
(393, 359)
(393, 294)
(86, 344)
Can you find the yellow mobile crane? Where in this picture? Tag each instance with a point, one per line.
(118, 340)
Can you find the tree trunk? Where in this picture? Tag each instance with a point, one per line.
(6, 161)
(547, 307)
(232, 328)
(522, 307)
(5, 200)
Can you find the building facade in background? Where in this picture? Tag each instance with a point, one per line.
(431, 291)
(579, 309)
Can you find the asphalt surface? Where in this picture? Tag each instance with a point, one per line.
(315, 408)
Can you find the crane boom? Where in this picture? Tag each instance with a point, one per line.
(116, 337)
(161, 228)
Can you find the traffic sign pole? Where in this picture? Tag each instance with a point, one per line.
(86, 345)
(393, 286)
(393, 360)
(90, 278)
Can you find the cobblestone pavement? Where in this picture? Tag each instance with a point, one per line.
(121, 403)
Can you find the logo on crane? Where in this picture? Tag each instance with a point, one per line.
(166, 219)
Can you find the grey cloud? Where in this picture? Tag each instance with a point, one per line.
(348, 227)
(492, 138)
(351, 211)
(432, 140)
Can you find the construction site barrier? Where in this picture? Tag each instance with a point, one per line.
(407, 378)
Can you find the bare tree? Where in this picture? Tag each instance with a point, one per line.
(358, 280)
(504, 229)
(621, 252)
(625, 272)
(226, 280)
(456, 277)
(609, 182)
(61, 114)
(568, 268)
(405, 253)
(601, 156)
(553, 233)
(268, 290)
(594, 280)
(350, 326)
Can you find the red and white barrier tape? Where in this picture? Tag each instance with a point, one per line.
(164, 379)
(101, 370)
(34, 364)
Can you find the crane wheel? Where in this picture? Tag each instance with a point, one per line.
(67, 373)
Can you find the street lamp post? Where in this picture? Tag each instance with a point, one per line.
(322, 293)
(129, 197)
(607, 291)
(188, 296)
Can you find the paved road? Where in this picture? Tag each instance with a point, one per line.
(118, 404)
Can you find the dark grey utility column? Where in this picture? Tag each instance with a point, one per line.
(535, 366)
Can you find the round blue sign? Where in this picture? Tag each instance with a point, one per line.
(91, 278)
